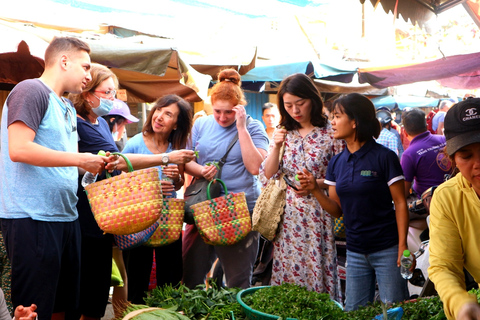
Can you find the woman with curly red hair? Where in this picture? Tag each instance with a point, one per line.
(211, 136)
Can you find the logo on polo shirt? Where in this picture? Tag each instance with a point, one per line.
(368, 173)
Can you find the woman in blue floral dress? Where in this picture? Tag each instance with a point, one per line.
(305, 252)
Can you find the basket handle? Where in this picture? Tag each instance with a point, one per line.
(213, 181)
(129, 164)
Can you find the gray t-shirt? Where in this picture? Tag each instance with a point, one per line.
(211, 141)
(27, 191)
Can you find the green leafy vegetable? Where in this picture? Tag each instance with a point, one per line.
(199, 303)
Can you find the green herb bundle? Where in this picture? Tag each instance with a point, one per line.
(199, 303)
(292, 301)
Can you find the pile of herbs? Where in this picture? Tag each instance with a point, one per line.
(292, 301)
(429, 308)
(211, 303)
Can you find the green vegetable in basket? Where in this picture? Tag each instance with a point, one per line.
(293, 301)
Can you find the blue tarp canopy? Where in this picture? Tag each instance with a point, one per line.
(401, 102)
(275, 71)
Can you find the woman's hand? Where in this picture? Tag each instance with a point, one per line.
(113, 165)
(96, 164)
(172, 172)
(181, 156)
(469, 311)
(240, 116)
(301, 189)
(167, 187)
(307, 180)
(25, 313)
(209, 172)
(279, 136)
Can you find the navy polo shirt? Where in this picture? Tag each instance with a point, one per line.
(362, 181)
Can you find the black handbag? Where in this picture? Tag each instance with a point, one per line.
(197, 191)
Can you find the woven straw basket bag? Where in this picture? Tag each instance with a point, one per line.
(224, 220)
(170, 223)
(269, 208)
(127, 203)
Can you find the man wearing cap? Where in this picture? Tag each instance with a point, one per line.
(455, 215)
(387, 138)
(117, 118)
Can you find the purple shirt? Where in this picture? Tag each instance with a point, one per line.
(424, 163)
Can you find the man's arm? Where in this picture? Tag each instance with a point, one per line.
(21, 148)
(408, 187)
(440, 128)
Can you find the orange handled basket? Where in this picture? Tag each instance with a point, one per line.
(127, 203)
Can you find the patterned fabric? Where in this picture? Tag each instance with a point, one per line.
(388, 139)
(305, 252)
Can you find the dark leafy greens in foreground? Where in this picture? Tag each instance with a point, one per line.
(199, 303)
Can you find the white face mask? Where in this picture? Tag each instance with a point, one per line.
(115, 132)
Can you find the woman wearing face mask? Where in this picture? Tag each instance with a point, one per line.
(93, 135)
(117, 120)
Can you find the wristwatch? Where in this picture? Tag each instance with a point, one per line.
(165, 159)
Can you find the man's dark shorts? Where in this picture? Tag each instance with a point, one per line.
(45, 258)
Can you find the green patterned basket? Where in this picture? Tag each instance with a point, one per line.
(170, 223)
(224, 220)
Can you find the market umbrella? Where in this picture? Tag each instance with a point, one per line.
(401, 102)
(21, 56)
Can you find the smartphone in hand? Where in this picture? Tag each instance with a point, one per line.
(290, 183)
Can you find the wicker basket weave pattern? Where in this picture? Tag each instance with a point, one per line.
(127, 203)
(224, 220)
(170, 223)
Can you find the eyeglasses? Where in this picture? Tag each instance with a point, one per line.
(108, 93)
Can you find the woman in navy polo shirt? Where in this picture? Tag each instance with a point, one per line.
(363, 180)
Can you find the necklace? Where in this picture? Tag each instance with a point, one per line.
(155, 144)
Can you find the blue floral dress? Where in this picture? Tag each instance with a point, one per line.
(304, 249)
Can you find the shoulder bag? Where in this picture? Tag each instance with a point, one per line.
(270, 205)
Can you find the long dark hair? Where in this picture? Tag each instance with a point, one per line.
(359, 108)
(178, 137)
(302, 86)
